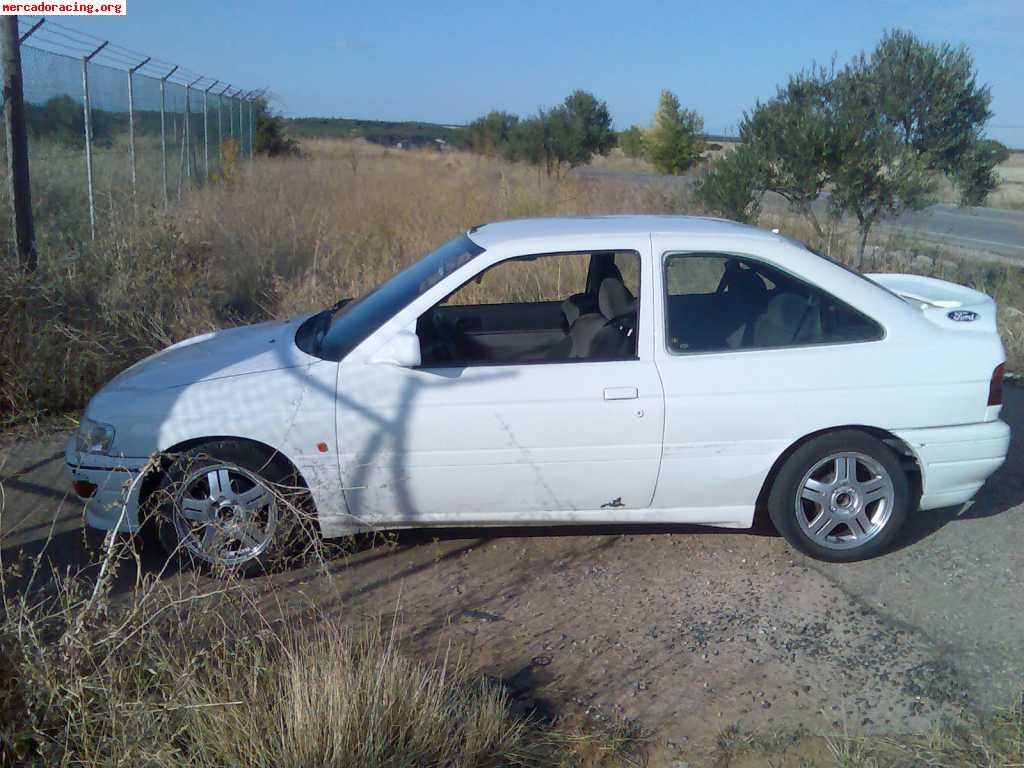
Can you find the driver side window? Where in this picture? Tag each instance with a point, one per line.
(534, 309)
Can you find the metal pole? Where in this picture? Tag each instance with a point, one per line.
(88, 137)
(131, 125)
(241, 132)
(252, 129)
(163, 135)
(206, 134)
(16, 134)
(188, 128)
(220, 125)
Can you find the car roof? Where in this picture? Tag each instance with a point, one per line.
(499, 232)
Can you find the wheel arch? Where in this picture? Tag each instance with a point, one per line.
(152, 479)
(908, 460)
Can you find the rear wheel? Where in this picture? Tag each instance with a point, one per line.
(226, 506)
(841, 497)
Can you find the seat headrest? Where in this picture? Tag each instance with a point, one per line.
(744, 283)
(614, 299)
(576, 305)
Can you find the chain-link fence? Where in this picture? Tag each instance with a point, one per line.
(112, 132)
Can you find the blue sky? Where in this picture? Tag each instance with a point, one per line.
(451, 61)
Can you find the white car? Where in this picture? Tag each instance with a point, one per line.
(624, 369)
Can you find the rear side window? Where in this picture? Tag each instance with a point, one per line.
(717, 302)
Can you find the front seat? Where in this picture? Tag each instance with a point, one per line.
(610, 332)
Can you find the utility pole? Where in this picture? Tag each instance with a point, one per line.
(17, 144)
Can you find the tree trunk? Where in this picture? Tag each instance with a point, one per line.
(865, 228)
(811, 217)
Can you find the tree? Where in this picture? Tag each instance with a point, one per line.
(271, 139)
(673, 141)
(790, 135)
(631, 141)
(975, 177)
(732, 187)
(527, 142)
(930, 94)
(589, 127)
(569, 134)
(489, 134)
(874, 172)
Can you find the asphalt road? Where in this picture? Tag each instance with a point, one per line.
(686, 629)
(986, 230)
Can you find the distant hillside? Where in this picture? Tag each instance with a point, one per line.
(378, 131)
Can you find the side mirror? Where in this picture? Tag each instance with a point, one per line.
(402, 350)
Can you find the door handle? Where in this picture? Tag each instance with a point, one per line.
(621, 393)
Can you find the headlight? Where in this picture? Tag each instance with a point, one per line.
(94, 437)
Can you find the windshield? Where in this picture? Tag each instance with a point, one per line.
(351, 324)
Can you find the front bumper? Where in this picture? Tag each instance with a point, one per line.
(956, 461)
(115, 504)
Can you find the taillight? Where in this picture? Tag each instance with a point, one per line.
(995, 387)
(84, 489)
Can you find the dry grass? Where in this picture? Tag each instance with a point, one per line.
(186, 671)
(992, 741)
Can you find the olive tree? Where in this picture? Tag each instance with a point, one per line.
(732, 186)
(790, 134)
(874, 173)
(930, 94)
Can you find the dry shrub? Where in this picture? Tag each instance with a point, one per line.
(82, 318)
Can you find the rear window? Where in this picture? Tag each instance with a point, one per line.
(719, 302)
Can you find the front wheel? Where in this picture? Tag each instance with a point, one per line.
(225, 505)
(841, 497)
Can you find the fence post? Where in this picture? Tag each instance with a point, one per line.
(220, 125)
(206, 135)
(241, 131)
(88, 137)
(131, 125)
(252, 129)
(188, 128)
(16, 134)
(163, 135)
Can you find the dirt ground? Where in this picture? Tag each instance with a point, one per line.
(685, 630)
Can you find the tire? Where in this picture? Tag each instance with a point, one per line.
(229, 507)
(841, 497)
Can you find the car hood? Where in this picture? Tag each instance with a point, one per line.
(238, 351)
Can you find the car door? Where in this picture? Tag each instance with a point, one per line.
(467, 443)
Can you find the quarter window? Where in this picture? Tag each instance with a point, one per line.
(718, 302)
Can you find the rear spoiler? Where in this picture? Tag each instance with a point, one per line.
(946, 304)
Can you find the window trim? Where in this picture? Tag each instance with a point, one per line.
(571, 361)
(666, 255)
